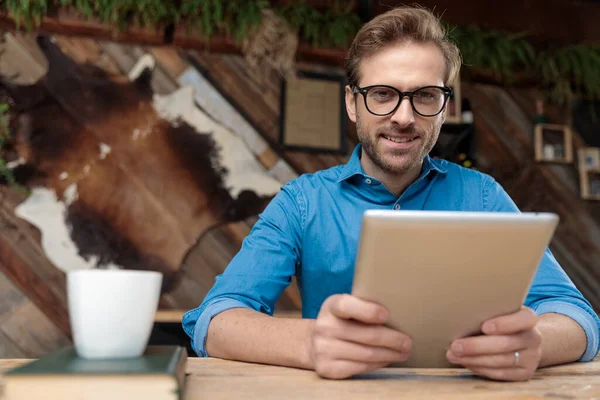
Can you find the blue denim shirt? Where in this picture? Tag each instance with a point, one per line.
(311, 230)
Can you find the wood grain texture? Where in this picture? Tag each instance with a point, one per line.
(32, 332)
(9, 349)
(24, 263)
(221, 379)
(505, 151)
(225, 379)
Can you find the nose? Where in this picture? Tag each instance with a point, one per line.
(404, 114)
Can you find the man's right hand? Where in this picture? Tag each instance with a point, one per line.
(349, 338)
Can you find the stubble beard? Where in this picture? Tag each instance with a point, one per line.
(400, 162)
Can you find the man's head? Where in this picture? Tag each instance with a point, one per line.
(403, 49)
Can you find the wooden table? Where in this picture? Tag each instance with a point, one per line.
(175, 316)
(219, 379)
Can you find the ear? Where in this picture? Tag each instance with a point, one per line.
(351, 104)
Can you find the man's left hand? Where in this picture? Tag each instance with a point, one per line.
(508, 350)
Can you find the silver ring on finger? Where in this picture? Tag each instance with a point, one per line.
(516, 362)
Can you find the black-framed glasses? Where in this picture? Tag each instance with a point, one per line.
(382, 100)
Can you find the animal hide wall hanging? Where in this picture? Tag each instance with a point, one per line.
(123, 178)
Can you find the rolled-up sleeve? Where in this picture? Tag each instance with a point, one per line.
(260, 272)
(552, 291)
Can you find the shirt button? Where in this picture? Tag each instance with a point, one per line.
(397, 207)
(368, 181)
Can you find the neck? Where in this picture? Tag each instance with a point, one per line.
(395, 182)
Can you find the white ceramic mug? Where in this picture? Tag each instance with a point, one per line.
(112, 311)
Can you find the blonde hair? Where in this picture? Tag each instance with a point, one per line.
(402, 24)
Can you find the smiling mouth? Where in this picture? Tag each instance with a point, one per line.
(400, 140)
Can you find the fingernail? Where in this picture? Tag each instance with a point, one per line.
(405, 345)
(491, 328)
(382, 315)
(457, 349)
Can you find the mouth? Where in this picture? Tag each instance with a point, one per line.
(400, 139)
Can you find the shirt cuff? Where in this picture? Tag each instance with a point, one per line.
(580, 316)
(210, 311)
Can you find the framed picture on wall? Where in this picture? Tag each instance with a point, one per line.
(553, 143)
(589, 158)
(313, 113)
(589, 172)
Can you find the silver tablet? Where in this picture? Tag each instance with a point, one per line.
(442, 274)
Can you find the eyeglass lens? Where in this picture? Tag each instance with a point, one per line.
(382, 100)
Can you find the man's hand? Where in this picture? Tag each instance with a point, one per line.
(509, 349)
(349, 338)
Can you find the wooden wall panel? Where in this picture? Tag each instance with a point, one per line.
(505, 151)
(24, 330)
(32, 332)
(504, 139)
(258, 102)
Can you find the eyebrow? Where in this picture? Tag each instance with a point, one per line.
(410, 89)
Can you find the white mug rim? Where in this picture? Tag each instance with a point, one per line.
(120, 272)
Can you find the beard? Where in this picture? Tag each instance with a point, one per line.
(400, 161)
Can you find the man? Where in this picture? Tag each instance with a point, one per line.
(398, 66)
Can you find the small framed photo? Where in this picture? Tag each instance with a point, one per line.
(454, 106)
(313, 113)
(589, 172)
(589, 158)
(553, 143)
(590, 184)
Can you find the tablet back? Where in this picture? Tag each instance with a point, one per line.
(442, 274)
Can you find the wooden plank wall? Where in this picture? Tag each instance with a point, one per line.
(504, 129)
(505, 135)
(216, 248)
(503, 123)
(25, 331)
(258, 99)
(33, 304)
(33, 308)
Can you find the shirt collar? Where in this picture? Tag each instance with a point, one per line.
(353, 167)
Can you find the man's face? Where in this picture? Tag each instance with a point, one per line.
(406, 67)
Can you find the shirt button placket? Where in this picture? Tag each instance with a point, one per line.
(397, 206)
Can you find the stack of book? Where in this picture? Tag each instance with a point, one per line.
(159, 374)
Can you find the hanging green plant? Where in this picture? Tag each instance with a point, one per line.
(243, 17)
(571, 70)
(204, 15)
(335, 27)
(562, 72)
(567, 71)
(494, 50)
(235, 17)
(341, 24)
(146, 13)
(305, 20)
(28, 12)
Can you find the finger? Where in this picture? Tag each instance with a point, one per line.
(351, 307)
(340, 350)
(506, 360)
(341, 369)
(485, 345)
(522, 320)
(505, 374)
(358, 332)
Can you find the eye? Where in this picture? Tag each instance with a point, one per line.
(427, 95)
(382, 94)
(424, 95)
